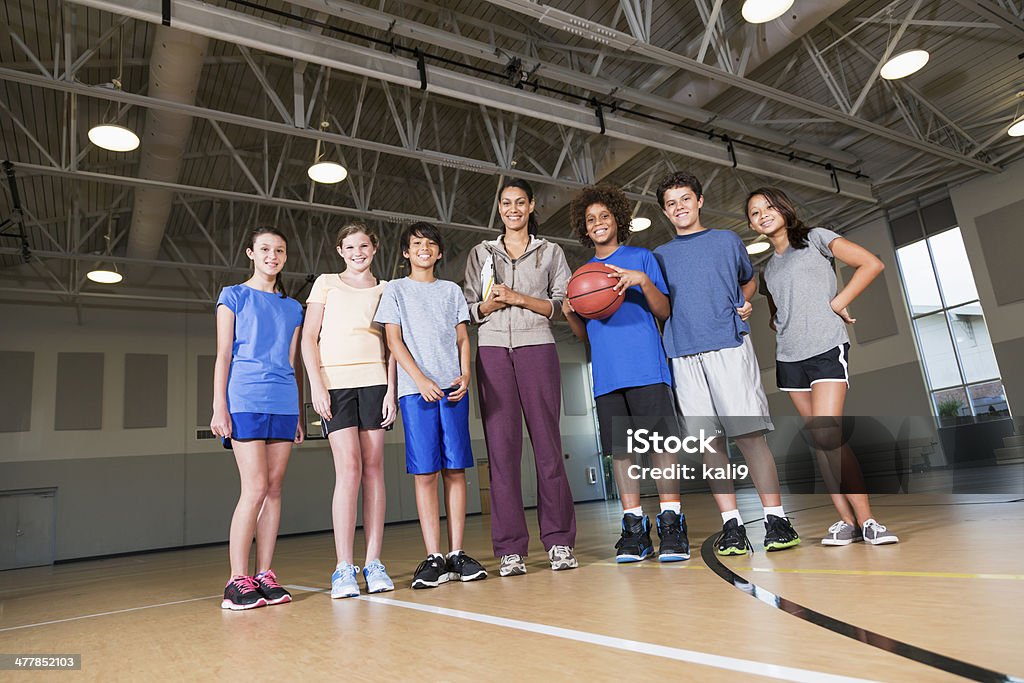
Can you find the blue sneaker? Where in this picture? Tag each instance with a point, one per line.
(635, 544)
(377, 579)
(343, 581)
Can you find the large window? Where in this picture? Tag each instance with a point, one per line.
(949, 325)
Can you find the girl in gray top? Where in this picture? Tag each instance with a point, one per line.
(810, 318)
(515, 286)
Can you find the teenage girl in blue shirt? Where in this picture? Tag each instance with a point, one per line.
(256, 404)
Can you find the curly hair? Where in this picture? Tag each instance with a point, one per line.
(796, 230)
(609, 195)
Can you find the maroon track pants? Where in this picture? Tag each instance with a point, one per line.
(513, 383)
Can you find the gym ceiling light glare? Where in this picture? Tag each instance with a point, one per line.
(904, 64)
(763, 11)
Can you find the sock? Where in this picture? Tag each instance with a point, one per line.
(435, 555)
(673, 505)
(638, 511)
(732, 514)
(776, 510)
(454, 552)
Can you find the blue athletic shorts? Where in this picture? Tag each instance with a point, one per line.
(262, 427)
(436, 434)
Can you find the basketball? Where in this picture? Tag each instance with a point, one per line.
(590, 291)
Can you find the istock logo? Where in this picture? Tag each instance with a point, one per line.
(640, 441)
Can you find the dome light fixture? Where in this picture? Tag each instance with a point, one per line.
(904, 64)
(639, 223)
(758, 247)
(103, 275)
(763, 11)
(113, 137)
(1016, 128)
(327, 172)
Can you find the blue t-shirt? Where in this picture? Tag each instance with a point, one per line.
(261, 379)
(428, 313)
(626, 346)
(704, 272)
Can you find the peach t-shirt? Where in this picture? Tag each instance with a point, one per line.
(351, 344)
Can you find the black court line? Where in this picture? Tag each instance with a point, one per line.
(927, 657)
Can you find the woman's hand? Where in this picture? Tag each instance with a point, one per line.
(843, 313)
(507, 295)
(321, 398)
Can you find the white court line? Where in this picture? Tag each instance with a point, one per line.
(746, 666)
(105, 614)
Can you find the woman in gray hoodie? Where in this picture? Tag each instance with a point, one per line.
(515, 285)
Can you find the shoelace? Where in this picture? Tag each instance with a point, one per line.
(561, 552)
(731, 536)
(837, 527)
(872, 524)
(244, 584)
(511, 559)
(269, 579)
(375, 569)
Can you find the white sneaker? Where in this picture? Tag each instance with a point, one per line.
(343, 581)
(876, 534)
(562, 558)
(842, 533)
(377, 579)
(511, 565)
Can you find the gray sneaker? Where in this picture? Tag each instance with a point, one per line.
(511, 565)
(842, 533)
(876, 534)
(562, 558)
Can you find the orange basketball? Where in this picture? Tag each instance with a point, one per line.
(590, 291)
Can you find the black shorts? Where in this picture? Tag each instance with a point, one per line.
(831, 366)
(647, 407)
(361, 407)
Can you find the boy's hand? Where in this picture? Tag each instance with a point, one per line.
(389, 410)
(300, 432)
(627, 278)
(745, 310)
(567, 308)
(429, 391)
(461, 386)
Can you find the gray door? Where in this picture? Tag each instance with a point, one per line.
(27, 521)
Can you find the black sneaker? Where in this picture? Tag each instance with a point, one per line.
(635, 543)
(675, 546)
(269, 588)
(462, 567)
(241, 593)
(779, 534)
(431, 572)
(732, 540)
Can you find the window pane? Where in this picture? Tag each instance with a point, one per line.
(955, 275)
(973, 343)
(989, 400)
(919, 278)
(939, 358)
(951, 403)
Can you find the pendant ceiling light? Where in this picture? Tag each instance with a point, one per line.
(108, 134)
(105, 271)
(324, 170)
(904, 64)
(639, 223)
(763, 11)
(758, 247)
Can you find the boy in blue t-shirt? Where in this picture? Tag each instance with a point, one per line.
(717, 379)
(425, 323)
(632, 384)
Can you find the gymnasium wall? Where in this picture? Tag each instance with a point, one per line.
(103, 405)
(989, 210)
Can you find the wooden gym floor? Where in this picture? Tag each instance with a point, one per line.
(952, 588)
